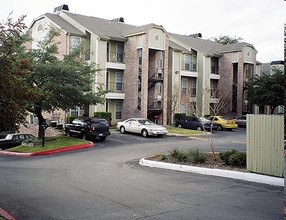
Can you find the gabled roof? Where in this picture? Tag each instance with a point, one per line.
(210, 47)
(105, 29)
(142, 29)
(56, 19)
(207, 47)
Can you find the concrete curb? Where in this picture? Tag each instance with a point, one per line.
(48, 152)
(252, 177)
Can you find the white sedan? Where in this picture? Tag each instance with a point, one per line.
(141, 126)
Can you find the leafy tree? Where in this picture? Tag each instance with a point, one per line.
(15, 92)
(227, 39)
(61, 84)
(266, 90)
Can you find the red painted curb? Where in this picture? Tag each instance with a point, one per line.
(6, 215)
(63, 149)
(48, 152)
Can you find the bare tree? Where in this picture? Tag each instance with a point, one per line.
(174, 103)
(223, 101)
(192, 107)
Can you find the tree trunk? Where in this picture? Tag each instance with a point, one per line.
(38, 113)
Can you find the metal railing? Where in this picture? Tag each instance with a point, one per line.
(115, 57)
(114, 86)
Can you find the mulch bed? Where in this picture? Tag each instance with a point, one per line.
(209, 163)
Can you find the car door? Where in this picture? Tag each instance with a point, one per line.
(135, 126)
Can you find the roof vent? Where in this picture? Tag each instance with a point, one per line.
(61, 7)
(197, 35)
(121, 19)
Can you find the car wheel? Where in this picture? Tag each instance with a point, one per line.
(84, 136)
(144, 133)
(179, 126)
(219, 128)
(199, 128)
(68, 134)
(122, 129)
(102, 138)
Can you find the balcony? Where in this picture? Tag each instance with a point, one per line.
(155, 105)
(115, 60)
(115, 57)
(155, 78)
(115, 90)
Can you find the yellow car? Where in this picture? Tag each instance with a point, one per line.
(223, 123)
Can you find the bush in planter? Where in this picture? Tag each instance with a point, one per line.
(195, 156)
(233, 157)
(238, 159)
(179, 155)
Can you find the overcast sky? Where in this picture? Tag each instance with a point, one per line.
(259, 22)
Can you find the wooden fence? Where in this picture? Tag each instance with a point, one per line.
(265, 144)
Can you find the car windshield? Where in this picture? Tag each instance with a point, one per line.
(145, 122)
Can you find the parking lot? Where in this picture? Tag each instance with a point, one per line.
(223, 140)
(106, 182)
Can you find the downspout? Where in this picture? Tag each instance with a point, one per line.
(203, 86)
(96, 62)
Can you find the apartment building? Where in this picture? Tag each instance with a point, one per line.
(211, 77)
(149, 72)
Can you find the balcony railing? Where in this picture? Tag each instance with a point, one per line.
(189, 67)
(114, 86)
(154, 104)
(115, 57)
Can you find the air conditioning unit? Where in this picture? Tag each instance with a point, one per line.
(159, 97)
(159, 71)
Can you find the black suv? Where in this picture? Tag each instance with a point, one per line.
(88, 128)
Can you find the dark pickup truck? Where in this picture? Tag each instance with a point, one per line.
(88, 128)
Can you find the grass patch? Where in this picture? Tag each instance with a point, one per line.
(184, 131)
(54, 143)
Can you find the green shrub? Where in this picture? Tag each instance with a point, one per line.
(163, 157)
(179, 155)
(105, 115)
(224, 156)
(238, 159)
(233, 157)
(195, 156)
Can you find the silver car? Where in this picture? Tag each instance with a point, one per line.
(142, 126)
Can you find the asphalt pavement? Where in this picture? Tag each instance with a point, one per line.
(105, 181)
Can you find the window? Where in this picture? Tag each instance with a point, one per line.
(74, 112)
(187, 62)
(118, 81)
(184, 86)
(161, 59)
(214, 84)
(140, 56)
(75, 42)
(194, 62)
(118, 110)
(183, 109)
(214, 65)
(193, 86)
(120, 52)
(248, 71)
